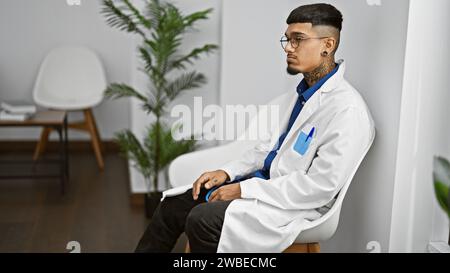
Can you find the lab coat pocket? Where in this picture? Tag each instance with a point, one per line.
(303, 141)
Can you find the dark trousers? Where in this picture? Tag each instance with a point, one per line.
(201, 221)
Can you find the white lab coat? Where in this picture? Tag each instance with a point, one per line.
(302, 185)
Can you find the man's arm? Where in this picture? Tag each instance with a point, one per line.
(346, 141)
(250, 161)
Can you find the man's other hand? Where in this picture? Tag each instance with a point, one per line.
(226, 193)
(210, 179)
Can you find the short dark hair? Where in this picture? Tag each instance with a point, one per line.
(317, 14)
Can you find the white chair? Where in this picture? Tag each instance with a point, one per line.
(182, 172)
(71, 78)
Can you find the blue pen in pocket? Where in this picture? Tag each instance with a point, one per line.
(302, 144)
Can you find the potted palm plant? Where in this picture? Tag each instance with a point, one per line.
(441, 180)
(161, 26)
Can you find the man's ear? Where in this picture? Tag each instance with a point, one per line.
(330, 44)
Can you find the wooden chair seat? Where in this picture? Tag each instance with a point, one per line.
(294, 248)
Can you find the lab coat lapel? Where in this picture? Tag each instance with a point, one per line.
(308, 110)
(285, 119)
(313, 104)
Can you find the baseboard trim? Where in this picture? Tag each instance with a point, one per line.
(137, 199)
(438, 247)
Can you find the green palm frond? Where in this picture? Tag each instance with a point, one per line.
(169, 147)
(442, 196)
(194, 17)
(131, 148)
(441, 179)
(121, 90)
(147, 57)
(174, 22)
(145, 22)
(184, 82)
(155, 12)
(152, 106)
(116, 17)
(180, 63)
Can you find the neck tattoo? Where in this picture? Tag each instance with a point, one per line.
(321, 71)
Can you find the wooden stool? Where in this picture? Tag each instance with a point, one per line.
(87, 125)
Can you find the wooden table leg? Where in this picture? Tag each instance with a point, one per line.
(42, 144)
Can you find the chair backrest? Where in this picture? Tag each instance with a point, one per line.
(324, 228)
(183, 172)
(70, 78)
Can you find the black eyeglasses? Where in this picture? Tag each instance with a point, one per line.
(295, 42)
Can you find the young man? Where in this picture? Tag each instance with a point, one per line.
(261, 201)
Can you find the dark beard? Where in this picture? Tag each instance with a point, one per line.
(292, 71)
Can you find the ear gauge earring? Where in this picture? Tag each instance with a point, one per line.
(324, 54)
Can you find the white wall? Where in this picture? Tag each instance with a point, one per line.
(373, 43)
(424, 129)
(29, 29)
(253, 62)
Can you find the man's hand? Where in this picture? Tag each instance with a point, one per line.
(226, 193)
(210, 179)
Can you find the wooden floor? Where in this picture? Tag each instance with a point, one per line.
(96, 210)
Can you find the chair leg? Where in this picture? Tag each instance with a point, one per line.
(187, 248)
(94, 125)
(314, 248)
(303, 248)
(95, 137)
(42, 144)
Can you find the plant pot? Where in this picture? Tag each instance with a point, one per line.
(152, 200)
